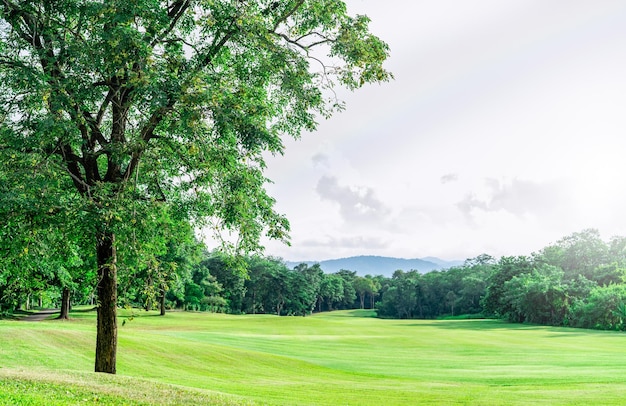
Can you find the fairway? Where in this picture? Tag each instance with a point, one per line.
(335, 358)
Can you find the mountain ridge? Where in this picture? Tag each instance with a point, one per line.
(379, 265)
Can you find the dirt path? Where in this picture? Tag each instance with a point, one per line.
(41, 315)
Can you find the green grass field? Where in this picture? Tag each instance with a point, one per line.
(338, 358)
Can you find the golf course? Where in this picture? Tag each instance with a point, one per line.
(333, 358)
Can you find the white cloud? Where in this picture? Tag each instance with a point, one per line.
(520, 197)
(357, 204)
(449, 177)
(321, 160)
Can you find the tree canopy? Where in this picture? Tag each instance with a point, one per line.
(113, 109)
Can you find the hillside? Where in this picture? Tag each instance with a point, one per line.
(377, 265)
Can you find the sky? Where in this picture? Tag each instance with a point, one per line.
(503, 131)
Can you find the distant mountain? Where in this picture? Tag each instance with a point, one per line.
(376, 265)
(442, 263)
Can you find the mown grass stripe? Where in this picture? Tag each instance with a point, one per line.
(327, 359)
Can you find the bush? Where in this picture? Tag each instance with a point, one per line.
(604, 309)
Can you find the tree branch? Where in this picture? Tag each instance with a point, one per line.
(16, 13)
(288, 14)
(71, 161)
(215, 47)
(104, 106)
(96, 133)
(146, 134)
(176, 11)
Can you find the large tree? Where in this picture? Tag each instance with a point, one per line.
(151, 102)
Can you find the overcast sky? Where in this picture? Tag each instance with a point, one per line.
(503, 131)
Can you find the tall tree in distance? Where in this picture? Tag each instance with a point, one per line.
(151, 102)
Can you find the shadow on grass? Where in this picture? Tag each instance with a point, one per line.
(495, 324)
(351, 313)
(14, 316)
(87, 310)
(123, 313)
(139, 315)
(36, 313)
(479, 324)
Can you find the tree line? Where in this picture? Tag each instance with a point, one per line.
(579, 281)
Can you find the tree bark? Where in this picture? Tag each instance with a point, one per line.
(106, 339)
(65, 304)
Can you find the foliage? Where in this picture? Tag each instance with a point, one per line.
(578, 281)
(132, 104)
(580, 253)
(495, 301)
(604, 309)
(538, 297)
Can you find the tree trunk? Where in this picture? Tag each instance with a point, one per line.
(65, 304)
(253, 302)
(106, 340)
(162, 302)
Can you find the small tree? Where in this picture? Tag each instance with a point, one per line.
(363, 286)
(451, 299)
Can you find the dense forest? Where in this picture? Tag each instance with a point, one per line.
(579, 281)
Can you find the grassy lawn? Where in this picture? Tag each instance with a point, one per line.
(338, 358)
